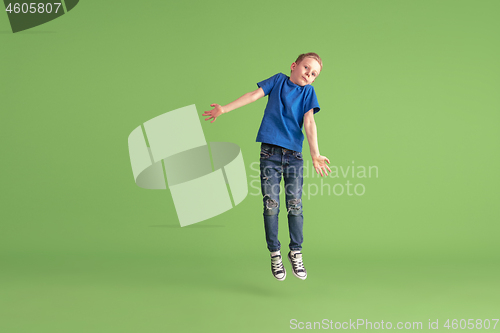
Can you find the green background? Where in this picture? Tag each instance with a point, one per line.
(408, 86)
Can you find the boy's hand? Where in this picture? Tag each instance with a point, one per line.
(320, 166)
(213, 114)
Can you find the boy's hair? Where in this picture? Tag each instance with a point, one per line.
(313, 55)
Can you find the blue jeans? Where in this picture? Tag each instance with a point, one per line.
(277, 162)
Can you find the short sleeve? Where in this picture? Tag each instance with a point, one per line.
(311, 101)
(268, 84)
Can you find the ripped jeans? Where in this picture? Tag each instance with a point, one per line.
(276, 162)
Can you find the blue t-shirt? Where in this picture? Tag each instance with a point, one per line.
(284, 115)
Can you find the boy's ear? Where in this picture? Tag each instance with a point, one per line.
(292, 67)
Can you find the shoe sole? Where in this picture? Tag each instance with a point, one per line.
(293, 271)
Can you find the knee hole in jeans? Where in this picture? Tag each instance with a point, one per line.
(294, 206)
(271, 207)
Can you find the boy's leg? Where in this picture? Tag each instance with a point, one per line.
(270, 178)
(293, 176)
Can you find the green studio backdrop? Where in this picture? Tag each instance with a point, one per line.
(409, 90)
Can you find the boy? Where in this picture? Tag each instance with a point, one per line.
(292, 103)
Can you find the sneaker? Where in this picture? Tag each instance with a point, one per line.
(297, 265)
(277, 268)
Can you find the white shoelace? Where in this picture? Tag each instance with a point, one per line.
(277, 264)
(298, 265)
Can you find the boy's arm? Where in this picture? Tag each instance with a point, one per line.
(243, 100)
(319, 161)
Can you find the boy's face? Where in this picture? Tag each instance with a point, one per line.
(305, 72)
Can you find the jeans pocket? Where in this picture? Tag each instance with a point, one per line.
(298, 155)
(264, 154)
